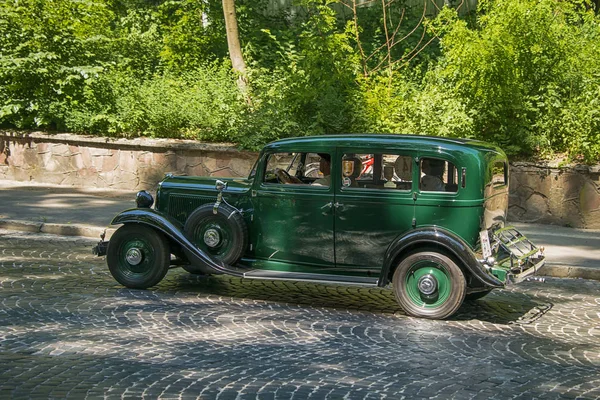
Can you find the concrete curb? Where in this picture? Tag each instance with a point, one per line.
(56, 229)
(551, 270)
(563, 271)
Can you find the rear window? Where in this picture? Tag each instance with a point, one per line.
(377, 171)
(499, 174)
(438, 175)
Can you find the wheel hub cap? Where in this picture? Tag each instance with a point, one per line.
(212, 238)
(134, 256)
(427, 285)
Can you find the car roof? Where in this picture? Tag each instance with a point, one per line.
(378, 140)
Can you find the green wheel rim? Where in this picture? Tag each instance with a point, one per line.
(146, 253)
(442, 278)
(222, 229)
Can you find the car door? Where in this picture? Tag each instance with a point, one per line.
(373, 206)
(292, 223)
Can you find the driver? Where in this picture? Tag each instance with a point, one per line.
(325, 169)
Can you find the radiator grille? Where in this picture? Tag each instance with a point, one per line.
(181, 205)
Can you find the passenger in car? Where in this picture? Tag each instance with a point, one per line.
(433, 180)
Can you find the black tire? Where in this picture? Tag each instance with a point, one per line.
(429, 285)
(138, 256)
(223, 235)
(477, 295)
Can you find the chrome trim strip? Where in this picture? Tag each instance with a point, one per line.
(308, 277)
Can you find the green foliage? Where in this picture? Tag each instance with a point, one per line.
(526, 73)
(198, 104)
(520, 73)
(47, 58)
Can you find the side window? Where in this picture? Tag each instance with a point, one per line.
(377, 171)
(438, 176)
(312, 166)
(279, 166)
(499, 174)
(317, 170)
(298, 169)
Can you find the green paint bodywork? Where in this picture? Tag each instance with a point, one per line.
(341, 231)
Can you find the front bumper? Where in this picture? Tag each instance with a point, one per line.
(516, 256)
(100, 248)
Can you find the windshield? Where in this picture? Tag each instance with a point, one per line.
(253, 170)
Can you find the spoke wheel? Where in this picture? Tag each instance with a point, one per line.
(137, 256)
(429, 285)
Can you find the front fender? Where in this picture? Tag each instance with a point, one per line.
(174, 230)
(438, 237)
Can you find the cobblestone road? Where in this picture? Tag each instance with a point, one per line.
(67, 330)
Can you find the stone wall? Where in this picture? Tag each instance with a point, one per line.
(539, 193)
(568, 196)
(114, 163)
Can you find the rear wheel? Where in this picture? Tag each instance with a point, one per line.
(429, 285)
(138, 256)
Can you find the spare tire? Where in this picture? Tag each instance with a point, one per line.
(223, 235)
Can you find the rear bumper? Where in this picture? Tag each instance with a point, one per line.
(517, 257)
(513, 278)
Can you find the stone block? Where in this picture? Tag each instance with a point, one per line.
(222, 173)
(17, 155)
(111, 162)
(42, 147)
(196, 170)
(210, 162)
(222, 160)
(241, 166)
(165, 160)
(77, 161)
(127, 161)
(128, 180)
(589, 198)
(60, 149)
(74, 149)
(86, 157)
(144, 158)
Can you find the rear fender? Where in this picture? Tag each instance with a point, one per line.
(436, 237)
(174, 230)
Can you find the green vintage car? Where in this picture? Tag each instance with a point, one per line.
(424, 214)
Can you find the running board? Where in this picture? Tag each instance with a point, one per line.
(317, 278)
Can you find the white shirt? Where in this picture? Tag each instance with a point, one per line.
(325, 181)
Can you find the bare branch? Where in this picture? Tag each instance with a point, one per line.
(362, 53)
(418, 24)
(387, 37)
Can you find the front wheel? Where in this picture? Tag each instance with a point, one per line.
(429, 285)
(138, 256)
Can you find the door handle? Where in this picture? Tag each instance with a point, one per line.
(338, 205)
(327, 206)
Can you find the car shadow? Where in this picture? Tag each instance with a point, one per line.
(499, 307)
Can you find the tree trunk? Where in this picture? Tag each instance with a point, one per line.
(233, 43)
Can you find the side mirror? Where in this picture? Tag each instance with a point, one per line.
(220, 185)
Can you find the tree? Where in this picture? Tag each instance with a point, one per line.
(233, 43)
